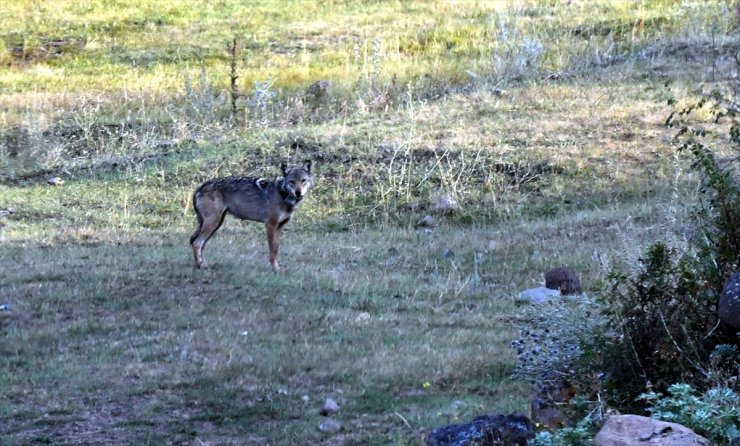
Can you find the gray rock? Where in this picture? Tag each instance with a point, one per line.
(728, 308)
(427, 222)
(563, 279)
(538, 295)
(330, 426)
(330, 406)
(55, 181)
(168, 143)
(457, 405)
(634, 430)
(445, 204)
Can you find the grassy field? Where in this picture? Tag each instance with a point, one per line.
(544, 120)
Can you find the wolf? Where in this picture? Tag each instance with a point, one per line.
(272, 202)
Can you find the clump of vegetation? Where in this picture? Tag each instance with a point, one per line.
(554, 338)
(714, 414)
(581, 434)
(663, 317)
(665, 311)
(668, 306)
(718, 234)
(657, 322)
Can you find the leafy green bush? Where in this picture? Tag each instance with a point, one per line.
(715, 414)
(582, 434)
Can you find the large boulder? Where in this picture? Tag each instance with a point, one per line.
(486, 430)
(634, 430)
(563, 279)
(728, 308)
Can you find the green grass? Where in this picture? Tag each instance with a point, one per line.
(114, 338)
(129, 341)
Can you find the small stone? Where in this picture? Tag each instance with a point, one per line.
(448, 254)
(55, 181)
(445, 204)
(362, 318)
(168, 143)
(330, 426)
(427, 222)
(330, 406)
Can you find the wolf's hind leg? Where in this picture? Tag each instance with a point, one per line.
(210, 224)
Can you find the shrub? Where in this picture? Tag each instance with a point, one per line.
(656, 323)
(718, 234)
(559, 342)
(551, 336)
(663, 316)
(715, 414)
(665, 309)
(582, 434)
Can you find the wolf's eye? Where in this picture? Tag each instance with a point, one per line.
(303, 181)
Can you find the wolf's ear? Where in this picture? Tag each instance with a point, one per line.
(284, 168)
(307, 166)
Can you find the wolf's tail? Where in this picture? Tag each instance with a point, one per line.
(198, 215)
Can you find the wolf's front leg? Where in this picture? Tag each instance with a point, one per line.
(273, 235)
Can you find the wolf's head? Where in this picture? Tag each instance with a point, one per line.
(297, 182)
